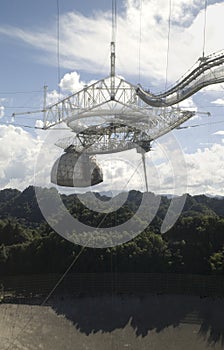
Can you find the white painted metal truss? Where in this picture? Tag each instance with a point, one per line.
(108, 116)
(112, 115)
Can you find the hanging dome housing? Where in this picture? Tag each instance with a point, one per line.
(75, 170)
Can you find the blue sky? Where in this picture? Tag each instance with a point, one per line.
(28, 39)
(20, 66)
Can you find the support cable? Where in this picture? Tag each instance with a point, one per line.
(168, 43)
(58, 49)
(45, 106)
(145, 173)
(114, 20)
(65, 129)
(60, 280)
(204, 31)
(11, 345)
(112, 48)
(197, 125)
(140, 41)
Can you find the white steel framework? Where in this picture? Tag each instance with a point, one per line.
(111, 106)
(112, 115)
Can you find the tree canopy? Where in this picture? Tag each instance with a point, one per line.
(195, 244)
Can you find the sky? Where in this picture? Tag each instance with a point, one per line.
(65, 44)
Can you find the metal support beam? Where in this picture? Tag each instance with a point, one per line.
(112, 69)
(145, 173)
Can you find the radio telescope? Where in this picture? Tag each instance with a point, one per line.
(113, 115)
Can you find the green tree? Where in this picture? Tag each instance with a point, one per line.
(217, 262)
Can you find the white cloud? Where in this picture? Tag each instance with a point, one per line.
(21, 153)
(188, 104)
(17, 157)
(121, 171)
(213, 88)
(71, 82)
(2, 108)
(2, 111)
(220, 132)
(205, 170)
(219, 101)
(53, 97)
(85, 40)
(39, 123)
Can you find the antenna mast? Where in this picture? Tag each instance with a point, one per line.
(112, 48)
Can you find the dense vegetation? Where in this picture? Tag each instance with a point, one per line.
(194, 245)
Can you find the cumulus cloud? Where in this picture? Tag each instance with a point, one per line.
(2, 111)
(2, 108)
(170, 170)
(72, 82)
(219, 101)
(203, 169)
(39, 123)
(17, 157)
(220, 132)
(206, 170)
(123, 171)
(190, 105)
(20, 155)
(53, 97)
(213, 88)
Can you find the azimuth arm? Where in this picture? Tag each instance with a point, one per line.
(209, 71)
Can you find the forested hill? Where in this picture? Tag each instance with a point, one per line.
(194, 245)
(23, 206)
